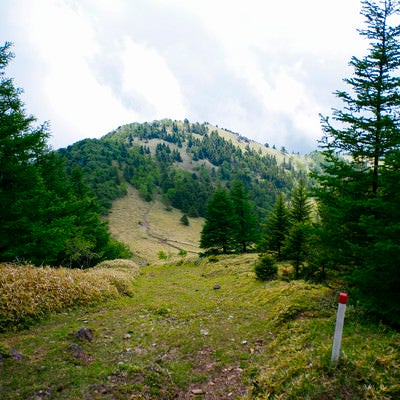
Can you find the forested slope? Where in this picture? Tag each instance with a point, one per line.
(184, 162)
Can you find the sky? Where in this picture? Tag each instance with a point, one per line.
(265, 69)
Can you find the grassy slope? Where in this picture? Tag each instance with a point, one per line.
(178, 336)
(148, 228)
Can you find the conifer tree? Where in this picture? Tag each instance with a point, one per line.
(247, 232)
(46, 217)
(277, 227)
(359, 213)
(297, 239)
(220, 227)
(21, 145)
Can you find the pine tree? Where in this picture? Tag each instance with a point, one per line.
(46, 217)
(277, 227)
(296, 243)
(21, 185)
(359, 213)
(220, 227)
(247, 232)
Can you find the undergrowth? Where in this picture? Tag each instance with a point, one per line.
(29, 293)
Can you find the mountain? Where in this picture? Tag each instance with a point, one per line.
(183, 163)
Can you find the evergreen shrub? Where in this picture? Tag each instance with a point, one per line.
(266, 268)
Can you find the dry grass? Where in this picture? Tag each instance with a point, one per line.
(147, 228)
(29, 293)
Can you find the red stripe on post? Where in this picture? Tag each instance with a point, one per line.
(343, 298)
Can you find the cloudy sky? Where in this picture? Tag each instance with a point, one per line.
(263, 68)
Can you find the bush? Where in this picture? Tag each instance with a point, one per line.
(184, 220)
(213, 258)
(266, 268)
(162, 255)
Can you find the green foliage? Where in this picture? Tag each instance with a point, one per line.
(162, 255)
(300, 206)
(358, 194)
(297, 240)
(98, 162)
(247, 231)
(22, 190)
(150, 157)
(296, 246)
(182, 253)
(48, 217)
(289, 231)
(184, 220)
(230, 221)
(186, 191)
(266, 268)
(220, 227)
(276, 228)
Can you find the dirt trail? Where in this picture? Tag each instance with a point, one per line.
(148, 228)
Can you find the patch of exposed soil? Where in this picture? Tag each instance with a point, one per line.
(218, 383)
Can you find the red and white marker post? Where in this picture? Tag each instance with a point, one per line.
(337, 339)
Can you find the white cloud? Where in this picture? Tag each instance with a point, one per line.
(65, 43)
(145, 72)
(265, 44)
(262, 68)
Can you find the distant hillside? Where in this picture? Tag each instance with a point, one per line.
(182, 163)
(153, 233)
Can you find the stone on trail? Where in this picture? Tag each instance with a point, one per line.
(84, 333)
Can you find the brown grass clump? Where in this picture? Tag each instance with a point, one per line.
(29, 293)
(120, 264)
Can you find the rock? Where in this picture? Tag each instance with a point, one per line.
(204, 332)
(216, 287)
(197, 392)
(79, 354)
(75, 349)
(84, 333)
(16, 355)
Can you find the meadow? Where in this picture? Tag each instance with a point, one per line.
(201, 328)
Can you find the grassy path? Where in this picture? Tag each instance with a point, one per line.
(183, 337)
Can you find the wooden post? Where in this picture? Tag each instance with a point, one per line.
(337, 339)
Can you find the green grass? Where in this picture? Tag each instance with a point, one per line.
(177, 336)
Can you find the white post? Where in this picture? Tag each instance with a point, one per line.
(337, 339)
